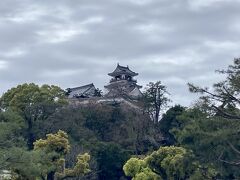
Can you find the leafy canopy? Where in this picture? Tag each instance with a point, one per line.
(167, 163)
(46, 161)
(55, 142)
(26, 95)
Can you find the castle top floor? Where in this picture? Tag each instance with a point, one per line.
(122, 73)
(122, 70)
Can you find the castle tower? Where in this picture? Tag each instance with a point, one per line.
(123, 83)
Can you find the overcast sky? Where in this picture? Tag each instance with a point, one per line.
(75, 42)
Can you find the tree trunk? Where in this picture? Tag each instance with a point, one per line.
(157, 114)
(50, 175)
(30, 135)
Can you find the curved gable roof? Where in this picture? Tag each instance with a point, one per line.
(122, 70)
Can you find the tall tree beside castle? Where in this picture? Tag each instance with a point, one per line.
(155, 99)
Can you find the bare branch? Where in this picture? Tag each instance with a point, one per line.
(228, 162)
(230, 95)
(225, 114)
(202, 90)
(233, 148)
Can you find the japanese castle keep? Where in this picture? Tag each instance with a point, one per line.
(122, 85)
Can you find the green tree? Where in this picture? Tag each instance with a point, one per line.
(211, 127)
(110, 158)
(224, 99)
(171, 163)
(155, 99)
(169, 121)
(58, 146)
(33, 103)
(115, 131)
(11, 125)
(211, 139)
(47, 160)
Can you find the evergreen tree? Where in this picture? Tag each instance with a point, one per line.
(173, 163)
(155, 99)
(34, 104)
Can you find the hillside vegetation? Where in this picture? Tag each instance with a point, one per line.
(43, 136)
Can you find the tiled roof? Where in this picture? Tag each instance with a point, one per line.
(122, 70)
(81, 91)
(82, 87)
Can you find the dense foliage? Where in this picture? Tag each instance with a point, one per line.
(110, 132)
(211, 127)
(168, 163)
(46, 161)
(34, 104)
(38, 124)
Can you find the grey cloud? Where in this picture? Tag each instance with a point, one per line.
(71, 43)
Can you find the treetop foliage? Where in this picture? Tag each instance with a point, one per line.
(55, 142)
(47, 160)
(167, 163)
(27, 95)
